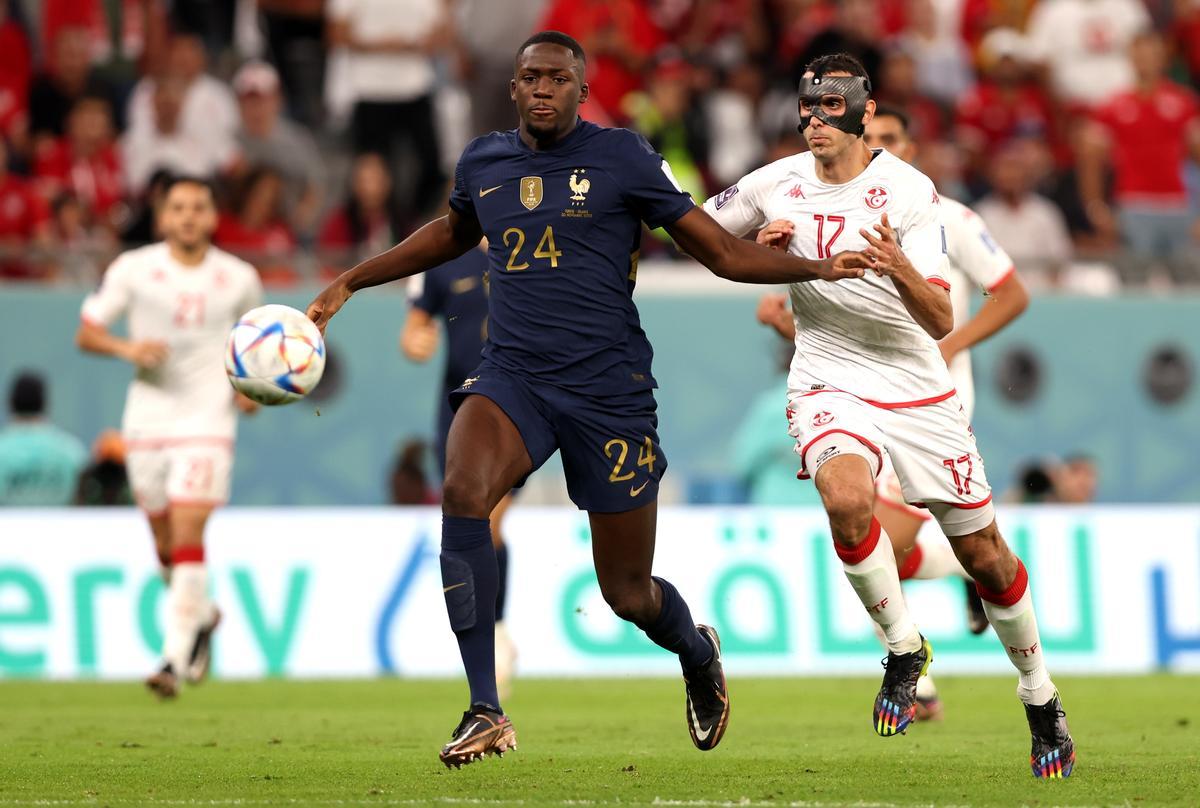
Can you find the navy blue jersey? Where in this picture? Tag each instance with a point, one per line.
(564, 227)
(456, 293)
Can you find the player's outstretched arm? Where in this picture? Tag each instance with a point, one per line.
(733, 258)
(434, 244)
(95, 338)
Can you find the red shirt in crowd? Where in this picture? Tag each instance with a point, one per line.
(16, 70)
(22, 213)
(269, 248)
(1150, 125)
(987, 112)
(587, 20)
(96, 180)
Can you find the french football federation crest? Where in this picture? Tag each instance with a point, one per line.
(579, 186)
(531, 192)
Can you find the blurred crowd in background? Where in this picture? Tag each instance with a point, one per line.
(331, 127)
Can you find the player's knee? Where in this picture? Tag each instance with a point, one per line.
(850, 512)
(983, 554)
(634, 604)
(465, 496)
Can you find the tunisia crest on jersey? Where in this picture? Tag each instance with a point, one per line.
(877, 197)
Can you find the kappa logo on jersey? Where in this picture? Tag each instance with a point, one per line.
(158, 275)
(796, 192)
(822, 418)
(935, 199)
(531, 192)
(726, 195)
(877, 197)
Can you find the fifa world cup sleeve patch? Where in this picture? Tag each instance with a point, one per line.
(726, 195)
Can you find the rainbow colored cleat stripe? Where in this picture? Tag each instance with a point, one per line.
(890, 719)
(1052, 766)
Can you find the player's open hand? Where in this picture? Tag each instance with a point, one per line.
(147, 353)
(247, 406)
(420, 343)
(772, 308)
(846, 264)
(326, 304)
(884, 251)
(776, 235)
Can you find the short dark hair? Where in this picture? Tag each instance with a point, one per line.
(837, 63)
(27, 397)
(187, 179)
(554, 38)
(884, 111)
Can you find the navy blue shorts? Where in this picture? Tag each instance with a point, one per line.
(609, 444)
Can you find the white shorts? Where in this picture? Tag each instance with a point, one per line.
(185, 472)
(888, 492)
(931, 448)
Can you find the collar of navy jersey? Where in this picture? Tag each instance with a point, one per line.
(580, 126)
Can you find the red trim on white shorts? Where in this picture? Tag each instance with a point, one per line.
(1008, 273)
(803, 473)
(163, 443)
(154, 514)
(889, 405)
(215, 503)
(939, 282)
(903, 507)
(970, 506)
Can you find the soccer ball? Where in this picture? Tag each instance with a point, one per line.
(275, 355)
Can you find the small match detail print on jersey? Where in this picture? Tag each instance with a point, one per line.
(877, 197)
(531, 192)
(726, 195)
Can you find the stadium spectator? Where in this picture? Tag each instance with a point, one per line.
(736, 144)
(1028, 226)
(67, 78)
(391, 71)
(16, 66)
(1006, 102)
(256, 229)
(666, 115)
(1084, 45)
(487, 30)
(119, 34)
(295, 33)
(619, 38)
(1146, 134)
(167, 146)
(896, 88)
(39, 463)
(266, 138)
(85, 163)
(24, 222)
(81, 245)
(105, 481)
(142, 227)
(369, 222)
(943, 62)
(856, 29)
(208, 111)
(1075, 480)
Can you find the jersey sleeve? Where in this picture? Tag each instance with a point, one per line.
(111, 301)
(649, 187)
(922, 235)
(738, 208)
(426, 292)
(973, 250)
(460, 195)
(252, 291)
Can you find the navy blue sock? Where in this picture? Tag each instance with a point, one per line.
(469, 583)
(502, 584)
(674, 630)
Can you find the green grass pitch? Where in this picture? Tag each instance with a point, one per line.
(804, 742)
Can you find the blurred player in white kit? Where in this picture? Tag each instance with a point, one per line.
(975, 260)
(181, 298)
(868, 380)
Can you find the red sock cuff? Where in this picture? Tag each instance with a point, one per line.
(911, 564)
(188, 555)
(858, 553)
(1011, 595)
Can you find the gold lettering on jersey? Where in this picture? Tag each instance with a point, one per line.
(531, 192)
(463, 285)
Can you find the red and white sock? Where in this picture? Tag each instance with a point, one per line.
(931, 558)
(188, 606)
(1011, 614)
(871, 569)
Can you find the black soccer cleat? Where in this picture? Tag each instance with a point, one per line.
(1052, 755)
(896, 705)
(977, 619)
(482, 732)
(201, 656)
(163, 683)
(707, 697)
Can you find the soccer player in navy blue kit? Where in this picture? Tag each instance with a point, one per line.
(566, 365)
(456, 293)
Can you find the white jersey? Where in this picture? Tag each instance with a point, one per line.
(853, 335)
(192, 309)
(975, 260)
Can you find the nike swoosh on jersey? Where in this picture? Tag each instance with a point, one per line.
(453, 586)
(701, 735)
(633, 492)
(485, 191)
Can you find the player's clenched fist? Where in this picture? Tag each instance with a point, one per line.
(326, 304)
(776, 235)
(147, 353)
